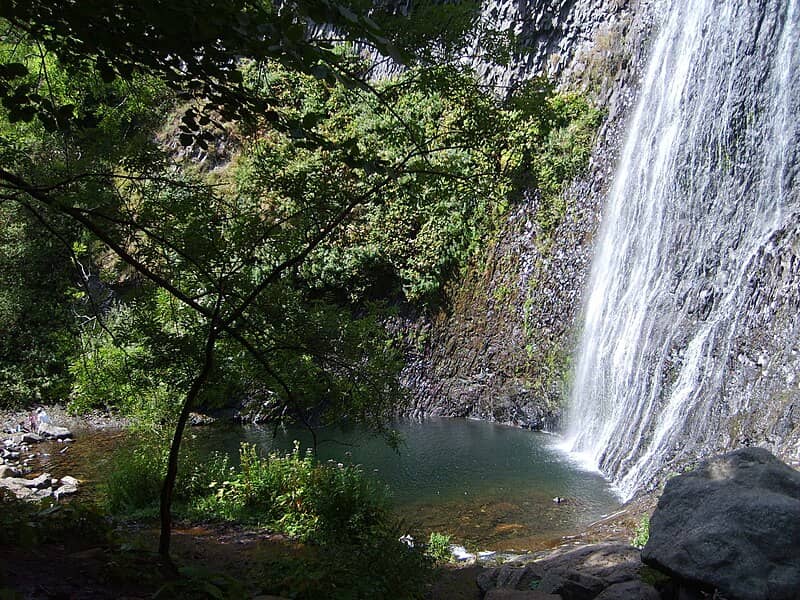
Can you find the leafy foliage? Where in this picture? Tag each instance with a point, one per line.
(642, 533)
(293, 244)
(267, 277)
(340, 512)
(459, 156)
(292, 493)
(35, 318)
(324, 503)
(193, 48)
(45, 292)
(136, 473)
(438, 547)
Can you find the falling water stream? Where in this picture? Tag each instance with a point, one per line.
(707, 176)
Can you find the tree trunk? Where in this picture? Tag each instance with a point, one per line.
(175, 447)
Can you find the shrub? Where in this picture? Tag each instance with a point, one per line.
(439, 547)
(381, 567)
(133, 484)
(134, 481)
(641, 533)
(346, 503)
(354, 549)
(297, 495)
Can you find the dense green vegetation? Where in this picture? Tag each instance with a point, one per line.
(292, 493)
(341, 514)
(186, 229)
(459, 156)
(36, 325)
(463, 156)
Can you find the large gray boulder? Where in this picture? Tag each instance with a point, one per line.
(54, 432)
(507, 594)
(732, 524)
(629, 590)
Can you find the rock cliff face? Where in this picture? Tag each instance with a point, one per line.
(501, 350)
(765, 361)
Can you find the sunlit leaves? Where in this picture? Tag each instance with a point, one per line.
(451, 157)
(194, 48)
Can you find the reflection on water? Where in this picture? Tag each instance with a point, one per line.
(489, 485)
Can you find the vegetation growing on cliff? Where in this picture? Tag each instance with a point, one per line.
(458, 157)
(266, 274)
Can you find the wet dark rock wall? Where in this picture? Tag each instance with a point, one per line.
(501, 349)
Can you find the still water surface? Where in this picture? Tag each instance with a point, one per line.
(489, 485)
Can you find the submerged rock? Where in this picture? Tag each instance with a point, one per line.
(732, 524)
(65, 490)
(38, 488)
(8, 471)
(23, 437)
(68, 480)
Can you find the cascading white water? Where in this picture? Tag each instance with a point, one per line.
(708, 174)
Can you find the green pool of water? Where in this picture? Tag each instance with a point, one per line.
(490, 486)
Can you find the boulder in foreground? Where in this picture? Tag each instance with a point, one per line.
(733, 524)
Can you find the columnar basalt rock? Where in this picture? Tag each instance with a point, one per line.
(501, 349)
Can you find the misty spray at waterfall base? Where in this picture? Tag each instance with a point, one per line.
(691, 316)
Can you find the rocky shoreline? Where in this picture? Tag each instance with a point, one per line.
(728, 530)
(24, 432)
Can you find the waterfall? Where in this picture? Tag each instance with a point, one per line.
(707, 176)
